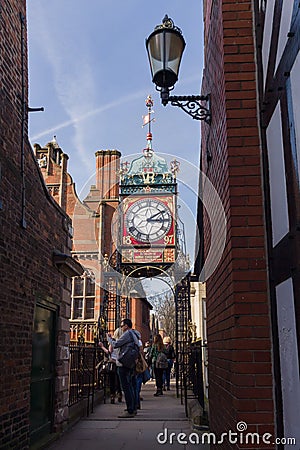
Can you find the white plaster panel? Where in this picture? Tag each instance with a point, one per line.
(267, 36)
(279, 207)
(289, 363)
(295, 84)
(285, 24)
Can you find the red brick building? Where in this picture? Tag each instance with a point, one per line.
(36, 263)
(251, 51)
(95, 228)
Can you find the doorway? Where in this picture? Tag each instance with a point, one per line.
(42, 386)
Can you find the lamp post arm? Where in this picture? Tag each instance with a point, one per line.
(191, 104)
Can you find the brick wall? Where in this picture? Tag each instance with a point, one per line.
(95, 226)
(31, 226)
(238, 319)
(139, 314)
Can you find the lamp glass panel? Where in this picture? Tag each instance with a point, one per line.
(156, 52)
(165, 50)
(174, 46)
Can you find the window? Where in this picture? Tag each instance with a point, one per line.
(83, 296)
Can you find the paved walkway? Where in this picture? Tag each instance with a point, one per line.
(103, 430)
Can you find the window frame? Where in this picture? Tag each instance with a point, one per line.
(85, 278)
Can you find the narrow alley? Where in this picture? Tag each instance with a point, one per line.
(160, 423)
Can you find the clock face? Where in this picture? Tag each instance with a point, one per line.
(148, 220)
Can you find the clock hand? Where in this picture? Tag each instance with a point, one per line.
(160, 219)
(154, 215)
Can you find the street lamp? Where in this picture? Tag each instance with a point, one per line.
(165, 47)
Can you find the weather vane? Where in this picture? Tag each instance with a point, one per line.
(147, 119)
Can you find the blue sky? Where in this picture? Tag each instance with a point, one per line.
(89, 68)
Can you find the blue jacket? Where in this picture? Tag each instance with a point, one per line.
(124, 341)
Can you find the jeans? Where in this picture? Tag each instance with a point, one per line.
(139, 382)
(128, 383)
(167, 373)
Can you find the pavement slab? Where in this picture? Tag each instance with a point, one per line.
(161, 423)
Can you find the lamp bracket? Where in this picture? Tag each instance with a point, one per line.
(192, 105)
(35, 109)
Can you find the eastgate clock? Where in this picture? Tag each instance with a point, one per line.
(148, 220)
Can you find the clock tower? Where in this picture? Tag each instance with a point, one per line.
(148, 195)
(151, 238)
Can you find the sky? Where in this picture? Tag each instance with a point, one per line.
(89, 69)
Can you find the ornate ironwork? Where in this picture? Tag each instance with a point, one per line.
(83, 332)
(101, 326)
(183, 340)
(174, 167)
(147, 170)
(112, 262)
(167, 22)
(84, 377)
(194, 382)
(191, 104)
(111, 302)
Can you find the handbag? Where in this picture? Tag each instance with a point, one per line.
(141, 364)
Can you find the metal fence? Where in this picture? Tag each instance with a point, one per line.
(86, 375)
(194, 378)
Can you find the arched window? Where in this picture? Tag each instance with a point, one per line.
(83, 296)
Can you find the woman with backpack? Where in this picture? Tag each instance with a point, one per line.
(160, 362)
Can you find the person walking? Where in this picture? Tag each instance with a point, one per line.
(147, 350)
(159, 361)
(113, 377)
(170, 352)
(127, 375)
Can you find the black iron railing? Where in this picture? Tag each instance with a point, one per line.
(85, 374)
(195, 372)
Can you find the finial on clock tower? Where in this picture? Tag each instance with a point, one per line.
(147, 119)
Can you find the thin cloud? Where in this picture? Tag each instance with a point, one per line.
(72, 79)
(101, 109)
(78, 119)
(74, 82)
